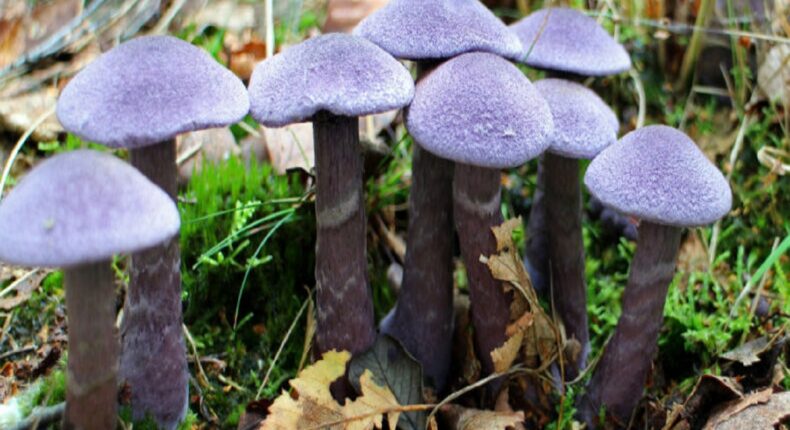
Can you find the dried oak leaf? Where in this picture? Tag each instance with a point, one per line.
(762, 410)
(460, 418)
(314, 408)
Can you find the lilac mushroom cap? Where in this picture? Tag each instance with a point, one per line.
(583, 124)
(149, 90)
(481, 110)
(658, 174)
(567, 40)
(83, 207)
(436, 29)
(340, 73)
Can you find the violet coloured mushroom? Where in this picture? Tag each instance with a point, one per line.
(75, 211)
(429, 32)
(656, 174)
(583, 126)
(139, 96)
(331, 80)
(481, 112)
(567, 44)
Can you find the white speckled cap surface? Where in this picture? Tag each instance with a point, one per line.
(81, 207)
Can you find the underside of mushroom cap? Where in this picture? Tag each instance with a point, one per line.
(148, 90)
(343, 74)
(481, 110)
(583, 124)
(438, 29)
(567, 40)
(658, 174)
(82, 207)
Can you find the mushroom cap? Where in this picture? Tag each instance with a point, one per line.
(82, 207)
(340, 73)
(481, 110)
(570, 42)
(658, 174)
(583, 124)
(148, 90)
(438, 29)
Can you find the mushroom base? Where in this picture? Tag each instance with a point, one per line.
(563, 207)
(476, 194)
(153, 356)
(92, 382)
(344, 302)
(422, 320)
(629, 354)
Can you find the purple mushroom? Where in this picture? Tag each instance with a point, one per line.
(139, 96)
(429, 32)
(583, 126)
(658, 175)
(76, 210)
(570, 45)
(331, 80)
(481, 112)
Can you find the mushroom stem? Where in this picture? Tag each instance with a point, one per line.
(566, 251)
(153, 355)
(423, 317)
(629, 354)
(476, 194)
(92, 383)
(536, 258)
(344, 300)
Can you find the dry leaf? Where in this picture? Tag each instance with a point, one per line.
(314, 407)
(343, 15)
(773, 76)
(212, 145)
(24, 288)
(233, 16)
(461, 418)
(21, 31)
(762, 410)
(749, 353)
(17, 114)
(290, 147)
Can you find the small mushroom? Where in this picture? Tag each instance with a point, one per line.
(481, 112)
(76, 210)
(583, 126)
(331, 80)
(569, 45)
(428, 32)
(139, 96)
(658, 175)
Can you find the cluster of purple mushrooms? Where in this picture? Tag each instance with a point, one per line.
(471, 114)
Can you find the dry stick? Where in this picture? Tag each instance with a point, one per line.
(280, 349)
(695, 44)
(40, 418)
(201, 372)
(18, 282)
(640, 92)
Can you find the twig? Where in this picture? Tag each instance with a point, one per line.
(41, 417)
(19, 144)
(8, 354)
(640, 93)
(201, 372)
(172, 11)
(18, 282)
(269, 17)
(280, 349)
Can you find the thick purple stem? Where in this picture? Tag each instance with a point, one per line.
(476, 195)
(619, 378)
(153, 357)
(536, 258)
(92, 382)
(566, 251)
(423, 317)
(344, 300)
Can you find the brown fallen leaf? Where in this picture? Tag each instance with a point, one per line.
(18, 113)
(24, 287)
(710, 391)
(460, 418)
(212, 145)
(244, 53)
(343, 15)
(749, 353)
(762, 410)
(22, 30)
(290, 147)
(773, 75)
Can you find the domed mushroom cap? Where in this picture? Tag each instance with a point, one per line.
(81, 207)
(343, 74)
(570, 42)
(658, 174)
(583, 124)
(481, 110)
(148, 90)
(437, 29)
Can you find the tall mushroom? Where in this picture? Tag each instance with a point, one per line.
(331, 80)
(429, 32)
(658, 175)
(139, 96)
(76, 210)
(583, 126)
(481, 112)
